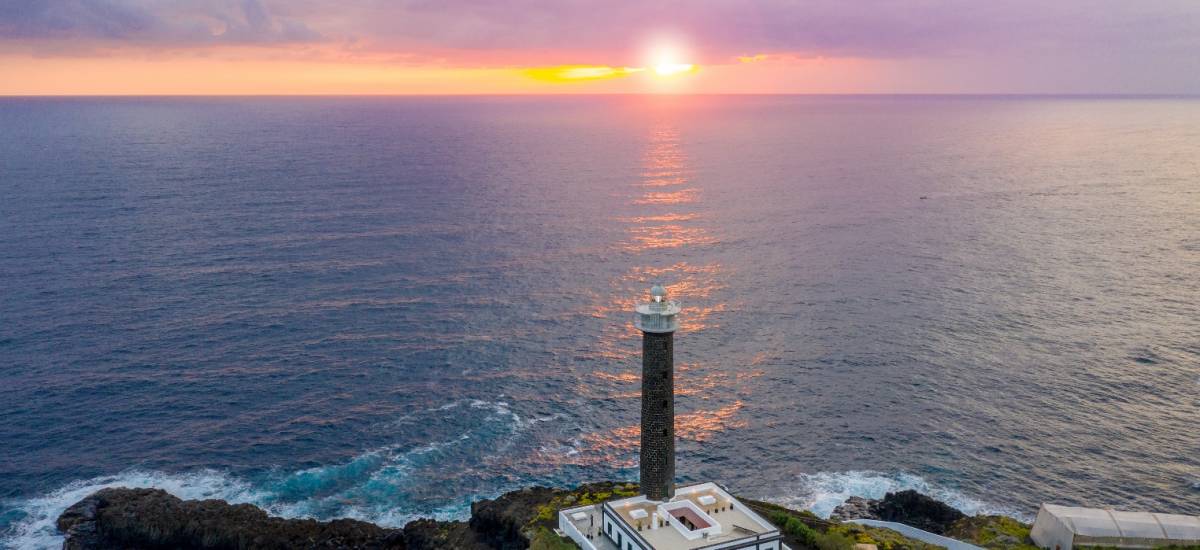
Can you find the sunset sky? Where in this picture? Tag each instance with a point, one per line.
(581, 46)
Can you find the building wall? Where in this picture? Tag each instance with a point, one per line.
(1050, 533)
(657, 461)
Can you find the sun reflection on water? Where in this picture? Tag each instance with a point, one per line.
(615, 447)
(664, 220)
(682, 196)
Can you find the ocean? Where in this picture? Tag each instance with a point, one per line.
(385, 308)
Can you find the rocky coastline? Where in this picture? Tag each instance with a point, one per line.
(153, 519)
(907, 507)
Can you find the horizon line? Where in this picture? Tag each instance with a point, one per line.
(1164, 95)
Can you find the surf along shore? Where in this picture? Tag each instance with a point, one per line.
(152, 518)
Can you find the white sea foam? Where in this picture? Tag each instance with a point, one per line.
(297, 495)
(37, 530)
(823, 491)
(349, 489)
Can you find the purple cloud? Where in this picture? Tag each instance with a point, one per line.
(153, 23)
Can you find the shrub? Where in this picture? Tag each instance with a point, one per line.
(795, 528)
(834, 541)
(544, 539)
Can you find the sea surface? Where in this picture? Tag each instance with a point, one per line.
(385, 308)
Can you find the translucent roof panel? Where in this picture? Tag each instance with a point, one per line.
(1141, 525)
(1089, 522)
(1180, 527)
(1093, 526)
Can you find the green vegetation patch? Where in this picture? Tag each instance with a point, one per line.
(804, 530)
(992, 532)
(884, 539)
(540, 527)
(545, 539)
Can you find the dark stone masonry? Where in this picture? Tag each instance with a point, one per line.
(658, 415)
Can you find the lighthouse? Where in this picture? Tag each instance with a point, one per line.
(658, 321)
(665, 517)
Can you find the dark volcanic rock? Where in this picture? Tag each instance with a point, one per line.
(855, 508)
(913, 508)
(907, 507)
(78, 525)
(152, 518)
(503, 520)
(428, 534)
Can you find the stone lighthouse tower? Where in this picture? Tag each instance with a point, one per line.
(658, 322)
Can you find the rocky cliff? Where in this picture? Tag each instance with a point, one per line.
(907, 507)
(153, 519)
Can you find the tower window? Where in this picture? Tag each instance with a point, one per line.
(665, 432)
(665, 404)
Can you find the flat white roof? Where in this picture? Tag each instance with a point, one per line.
(736, 521)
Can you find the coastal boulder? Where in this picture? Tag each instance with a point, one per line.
(907, 507)
(920, 511)
(502, 522)
(855, 508)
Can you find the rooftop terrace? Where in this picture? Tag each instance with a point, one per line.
(699, 516)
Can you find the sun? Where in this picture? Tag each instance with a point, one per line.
(666, 59)
(668, 69)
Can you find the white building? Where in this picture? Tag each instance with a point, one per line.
(702, 516)
(1065, 527)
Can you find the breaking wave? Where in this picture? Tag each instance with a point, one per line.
(383, 486)
(34, 525)
(823, 491)
(369, 487)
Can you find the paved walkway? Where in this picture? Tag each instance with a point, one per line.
(913, 532)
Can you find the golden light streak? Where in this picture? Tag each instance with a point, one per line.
(752, 58)
(570, 73)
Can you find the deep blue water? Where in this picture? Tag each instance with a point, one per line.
(386, 308)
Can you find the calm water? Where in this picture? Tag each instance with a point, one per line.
(385, 308)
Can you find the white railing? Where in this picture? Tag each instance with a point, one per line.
(913, 532)
(655, 323)
(669, 306)
(657, 316)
